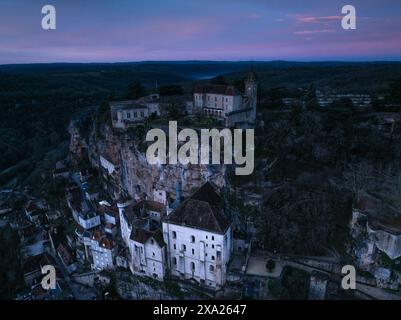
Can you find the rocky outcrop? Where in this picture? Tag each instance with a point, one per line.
(134, 174)
(386, 241)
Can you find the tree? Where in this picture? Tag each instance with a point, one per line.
(219, 80)
(395, 90)
(171, 90)
(270, 265)
(311, 99)
(377, 105)
(135, 91)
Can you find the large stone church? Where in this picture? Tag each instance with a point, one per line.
(237, 109)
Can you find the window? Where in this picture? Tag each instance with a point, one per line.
(206, 237)
(192, 266)
(142, 114)
(175, 261)
(135, 114)
(192, 239)
(193, 251)
(152, 241)
(174, 235)
(212, 238)
(211, 268)
(153, 254)
(184, 247)
(212, 257)
(212, 246)
(175, 247)
(128, 115)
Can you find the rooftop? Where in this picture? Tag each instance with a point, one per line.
(127, 105)
(203, 210)
(217, 89)
(142, 236)
(381, 215)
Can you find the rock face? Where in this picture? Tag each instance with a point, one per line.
(386, 242)
(133, 172)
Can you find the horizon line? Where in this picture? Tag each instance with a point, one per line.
(207, 60)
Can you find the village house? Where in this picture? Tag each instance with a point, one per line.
(190, 239)
(32, 268)
(103, 251)
(140, 230)
(199, 238)
(82, 210)
(34, 213)
(376, 228)
(148, 255)
(132, 112)
(325, 99)
(65, 254)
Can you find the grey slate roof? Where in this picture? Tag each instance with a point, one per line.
(203, 210)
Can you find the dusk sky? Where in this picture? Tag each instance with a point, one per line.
(130, 30)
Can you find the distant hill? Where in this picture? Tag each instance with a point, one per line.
(349, 76)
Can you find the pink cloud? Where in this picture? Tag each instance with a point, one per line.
(316, 19)
(314, 31)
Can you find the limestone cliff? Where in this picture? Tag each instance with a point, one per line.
(133, 172)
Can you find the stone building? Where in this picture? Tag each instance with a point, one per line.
(227, 103)
(190, 239)
(199, 238)
(103, 251)
(140, 232)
